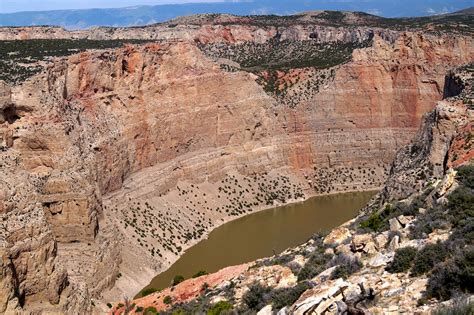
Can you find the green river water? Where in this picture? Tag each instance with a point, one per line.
(264, 233)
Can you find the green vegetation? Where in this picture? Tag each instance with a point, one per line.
(316, 264)
(151, 310)
(374, 222)
(427, 258)
(460, 307)
(450, 265)
(461, 23)
(379, 221)
(19, 58)
(148, 291)
(219, 308)
(403, 260)
(346, 266)
(287, 296)
(200, 273)
(167, 300)
(177, 279)
(254, 297)
(268, 60)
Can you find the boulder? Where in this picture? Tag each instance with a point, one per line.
(267, 310)
(337, 236)
(344, 249)
(284, 311)
(364, 243)
(381, 240)
(329, 251)
(321, 299)
(394, 243)
(379, 260)
(395, 225)
(359, 242)
(370, 249)
(404, 220)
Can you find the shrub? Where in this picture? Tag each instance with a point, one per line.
(151, 310)
(109, 305)
(316, 264)
(374, 222)
(465, 176)
(346, 266)
(219, 307)
(148, 291)
(287, 296)
(427, 258)
(139, 309)
(254, 297)
(434, 218)
(403, 260)
(200, 273)
(167, 300)
(453, 276)
(178, 279)
(460, 307)
(460, 205)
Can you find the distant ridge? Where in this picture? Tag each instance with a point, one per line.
(145, 15)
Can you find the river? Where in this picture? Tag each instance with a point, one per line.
(264, 233)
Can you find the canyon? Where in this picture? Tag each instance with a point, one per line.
(408, 251)
(116, 160)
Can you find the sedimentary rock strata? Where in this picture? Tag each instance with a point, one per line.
(101, 145)
(397, 258)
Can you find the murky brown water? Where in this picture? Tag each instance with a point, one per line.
(262, 233)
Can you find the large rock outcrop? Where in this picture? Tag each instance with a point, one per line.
(104, 141)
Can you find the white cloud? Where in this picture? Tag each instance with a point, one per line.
(374, 11)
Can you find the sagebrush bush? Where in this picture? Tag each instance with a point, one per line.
(434, 218)
(460, 307)
(346, 266)
(427, 258)
(148, 291)
(219, 308)
(167, 299)
(287, 296)
(178, 279)
(403, 260)
(151, 310)
(254, 298)
(200, 273)
(453, 276)
(316, 264)
(465, 176)
(460, 206)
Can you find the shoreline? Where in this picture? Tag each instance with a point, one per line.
(172, 261)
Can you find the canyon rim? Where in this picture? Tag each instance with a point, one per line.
(123, 147)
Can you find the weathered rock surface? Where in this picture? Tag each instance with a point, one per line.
(103, 135)
(393, 293)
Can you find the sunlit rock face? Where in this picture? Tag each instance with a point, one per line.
(98, 132)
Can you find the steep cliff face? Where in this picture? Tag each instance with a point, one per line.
(443, 142)
(400, 258)
(104, 141)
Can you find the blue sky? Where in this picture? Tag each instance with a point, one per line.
(387, 8)
(7, 6)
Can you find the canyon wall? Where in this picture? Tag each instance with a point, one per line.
(114, 161)
(356, 267)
